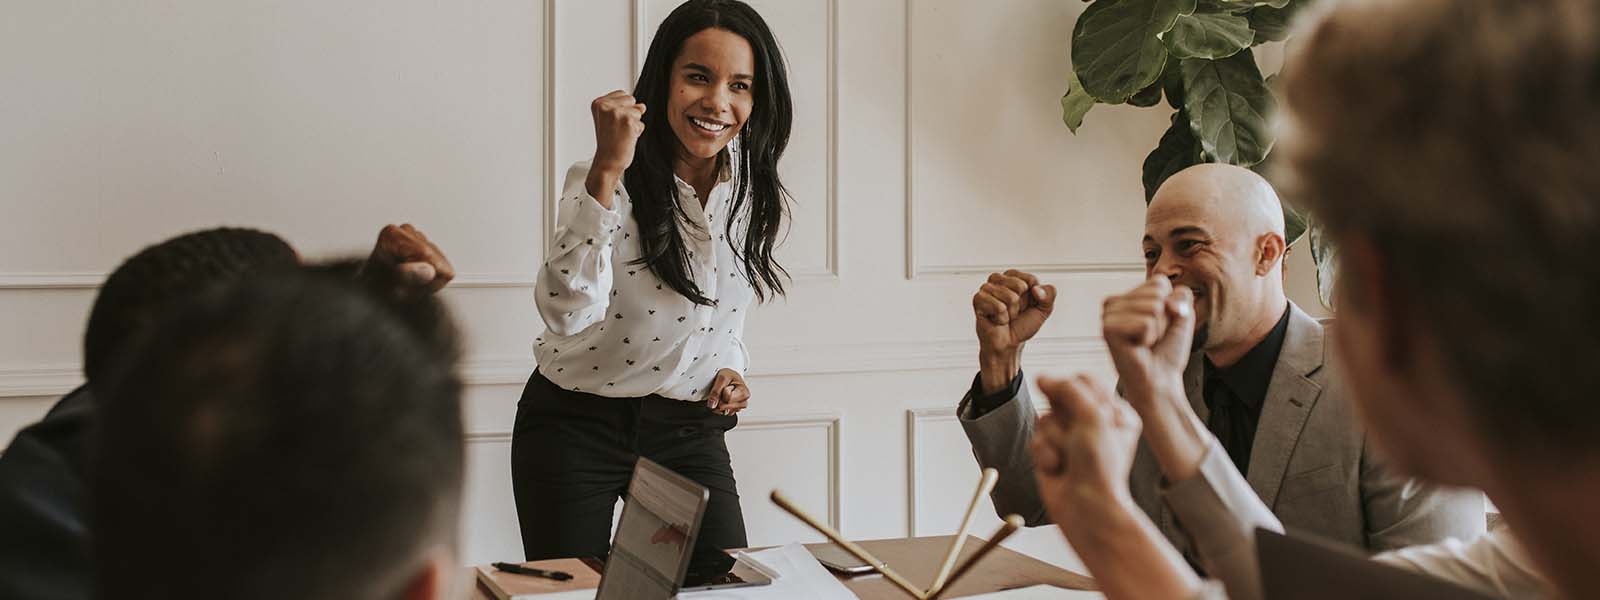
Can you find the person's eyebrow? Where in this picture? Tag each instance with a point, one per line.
(1190, 229)
(707, 70)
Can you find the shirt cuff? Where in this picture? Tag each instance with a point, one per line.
(594, 220)
(1210, 589)
(980, 404)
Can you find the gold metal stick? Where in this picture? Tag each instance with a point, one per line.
(1013, 522)
(985, 485)
(860, 553)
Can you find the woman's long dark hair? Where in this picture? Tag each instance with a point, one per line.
(649, 180)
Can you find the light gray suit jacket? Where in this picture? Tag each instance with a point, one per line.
(1310, 462)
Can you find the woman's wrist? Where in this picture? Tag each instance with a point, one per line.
(602, 185)
(1173, 431)
(1102, 504)
(1125, 552)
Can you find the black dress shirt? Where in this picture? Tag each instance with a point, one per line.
(982, 404)
(1234, 394)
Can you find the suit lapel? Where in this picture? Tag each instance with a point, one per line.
(1291, 394)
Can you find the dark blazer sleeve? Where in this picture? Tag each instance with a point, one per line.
(1000, 440)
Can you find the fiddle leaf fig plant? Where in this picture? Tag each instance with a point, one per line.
(1197, 54)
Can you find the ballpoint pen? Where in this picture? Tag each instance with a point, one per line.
(521, 570)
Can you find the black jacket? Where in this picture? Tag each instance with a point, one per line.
(44, 543)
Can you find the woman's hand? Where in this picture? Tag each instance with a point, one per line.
(618, 122)
(728, 394)
(1082, 453)
(1083, 450)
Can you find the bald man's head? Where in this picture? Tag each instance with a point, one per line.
(1219, 230)
(1234, 193)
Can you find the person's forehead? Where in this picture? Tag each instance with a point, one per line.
(1181, 213)
(718, 49)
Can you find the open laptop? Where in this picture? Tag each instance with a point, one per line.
(1307, 569)
(653, 549)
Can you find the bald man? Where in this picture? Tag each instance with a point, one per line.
(1256, 376)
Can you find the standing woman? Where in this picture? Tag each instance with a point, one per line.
(663, 242)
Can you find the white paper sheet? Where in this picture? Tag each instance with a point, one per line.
(572, 595)
(800, 577)
(1039, 592)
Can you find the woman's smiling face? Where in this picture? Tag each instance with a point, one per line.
(712, 92)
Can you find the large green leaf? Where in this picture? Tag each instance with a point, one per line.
(1273, 24)
(1075, 104)
(1326, 255)
(1172, 84)
(1177, 151)
(1116, 45)
(1210, 32)
(1248, 4)
(1147, 97)
(1294, 224)
(1229, 105)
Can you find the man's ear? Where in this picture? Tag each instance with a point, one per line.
(1367, 287)
(1270, 249)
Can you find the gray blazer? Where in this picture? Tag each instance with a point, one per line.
(1310, 462)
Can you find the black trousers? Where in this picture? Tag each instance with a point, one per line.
(572, 455)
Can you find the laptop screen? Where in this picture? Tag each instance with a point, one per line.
(655, 536)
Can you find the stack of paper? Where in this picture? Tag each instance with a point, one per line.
(1039, 592)
(800, 577)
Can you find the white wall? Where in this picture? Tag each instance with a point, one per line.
(928, 151)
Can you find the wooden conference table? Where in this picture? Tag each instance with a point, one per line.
(918, 560)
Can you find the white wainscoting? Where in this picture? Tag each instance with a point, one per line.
(489, 516)
(92, 281)
(54, 380)
(943, 476)
(506, 370)
(799, 454)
